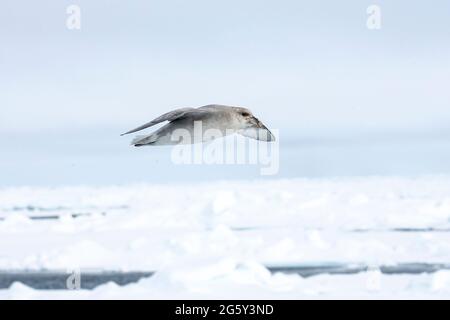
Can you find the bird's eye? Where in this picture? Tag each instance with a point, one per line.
(245, 114)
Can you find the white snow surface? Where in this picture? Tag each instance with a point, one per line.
(215, 240)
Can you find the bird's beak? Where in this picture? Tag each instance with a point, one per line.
(261, 130)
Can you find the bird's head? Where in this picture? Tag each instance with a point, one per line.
(252, 126)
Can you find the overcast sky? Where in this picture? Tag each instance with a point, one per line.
(296, 64)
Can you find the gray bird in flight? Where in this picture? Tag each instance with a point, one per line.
(190, 125)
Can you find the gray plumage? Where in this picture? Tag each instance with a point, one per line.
(224, 120)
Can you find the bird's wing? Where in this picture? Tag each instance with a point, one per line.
(169, 116)
(214, 107)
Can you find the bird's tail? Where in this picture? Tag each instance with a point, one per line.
(140, 141)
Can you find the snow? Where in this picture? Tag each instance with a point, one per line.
(226, 279)
(216, 240)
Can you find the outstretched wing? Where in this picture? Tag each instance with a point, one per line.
(169, 116)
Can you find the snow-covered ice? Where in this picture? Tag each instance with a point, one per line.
(216, 240)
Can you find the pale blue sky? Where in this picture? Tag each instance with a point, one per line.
(307, 68)
(298, 64)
